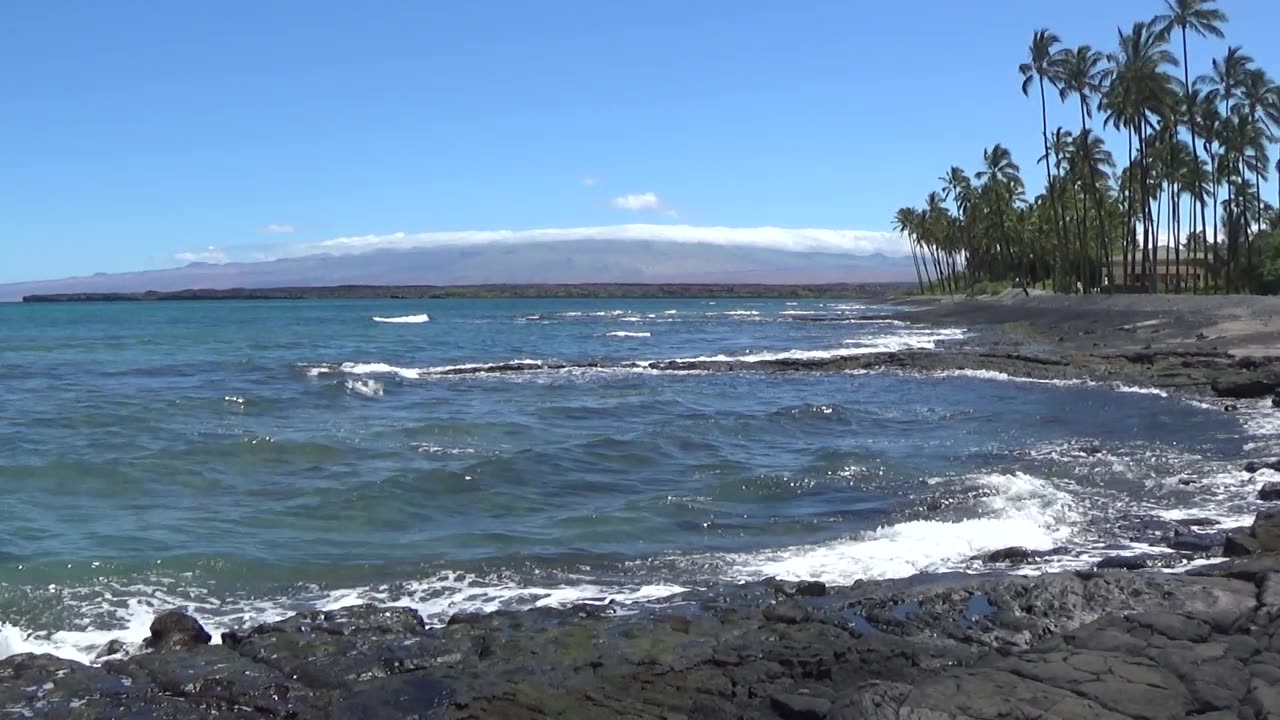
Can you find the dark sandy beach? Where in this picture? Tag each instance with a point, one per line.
(1123, 640)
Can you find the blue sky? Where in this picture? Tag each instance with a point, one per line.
(137, 131)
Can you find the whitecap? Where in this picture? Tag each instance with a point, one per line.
(626, 334)
(368, 387)
(407, 319)
(412, 373)
(1023, 510)
(867, 346)
(437, 598)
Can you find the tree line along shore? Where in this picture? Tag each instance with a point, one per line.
(1186, 211)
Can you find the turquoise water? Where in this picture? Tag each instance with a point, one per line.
(244, 459)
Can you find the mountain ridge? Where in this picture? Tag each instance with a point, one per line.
(569, 262)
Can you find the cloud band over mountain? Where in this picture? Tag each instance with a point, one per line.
(851, 242)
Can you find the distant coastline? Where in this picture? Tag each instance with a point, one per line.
(419, 292)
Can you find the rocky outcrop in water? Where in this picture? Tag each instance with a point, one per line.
(1090, 645)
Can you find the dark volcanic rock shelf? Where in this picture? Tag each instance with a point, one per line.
(1093, 646)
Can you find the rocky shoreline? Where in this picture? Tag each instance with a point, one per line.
(1124, 640)
(1100, 644)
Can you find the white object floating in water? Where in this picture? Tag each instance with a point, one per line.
(409, 319)
(367, 387)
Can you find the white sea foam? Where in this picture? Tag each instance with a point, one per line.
(865, 346)
(436, 598)
(1005, 377)
(368, 387)
(412, 373)
(408, 319)
(626, 334)
(1023, 510)
(1000, 376)
(1262, 422)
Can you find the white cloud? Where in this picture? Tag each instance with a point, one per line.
(850, 242)
(638, 201)
(210, 254)
(590, 181)
(278, 228)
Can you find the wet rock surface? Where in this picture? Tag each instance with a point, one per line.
(1086, 645)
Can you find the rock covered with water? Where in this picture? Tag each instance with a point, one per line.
(1095, 645)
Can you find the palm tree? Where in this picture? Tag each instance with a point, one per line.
(1205, 20)
(1210, 123)
(904, 221)
(1223, 83)
(1001, 177)
(1090, 160)
(1139, 87)
(1260, 101)
(958, 188)
(1041, 60)
(1081, 72)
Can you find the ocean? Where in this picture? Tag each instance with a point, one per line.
(245, 460)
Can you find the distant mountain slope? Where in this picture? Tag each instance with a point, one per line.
(575, 261)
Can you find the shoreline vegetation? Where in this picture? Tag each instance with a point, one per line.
(842, 291)
(1178, 208)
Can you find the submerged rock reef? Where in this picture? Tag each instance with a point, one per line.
(1096, 645)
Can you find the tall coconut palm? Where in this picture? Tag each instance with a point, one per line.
(1042, 57)
(1224, 82)
(1139, 87)
(1209, 119)
(1002, 179)
(1082, 72)
(904, 221)
(1090, 161)
(1260, 102)
(1205, 20)
(958, 188)
(1197, 183)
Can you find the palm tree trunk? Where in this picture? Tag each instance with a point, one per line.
(924, 262)
(1130, 230)
(1217, 246)
(915, 260)
(1148, 257)
(1257, 195)
(1048, 173)
(1195, 150)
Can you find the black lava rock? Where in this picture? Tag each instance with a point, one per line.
(800, 707)
(1266, 528)
(1240, 544)
(176, 630)
(1011, 556)
(1140, 561)
(1193, 542)
(114, 647)
(1269, 492)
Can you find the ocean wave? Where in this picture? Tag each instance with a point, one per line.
(1061, 382)
(626, 334)
(867, 346)
(366, 387)
(407, 319)
(1021, 509)
(412, 373)
(436, 598)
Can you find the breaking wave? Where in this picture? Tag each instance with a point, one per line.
(406, 319)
